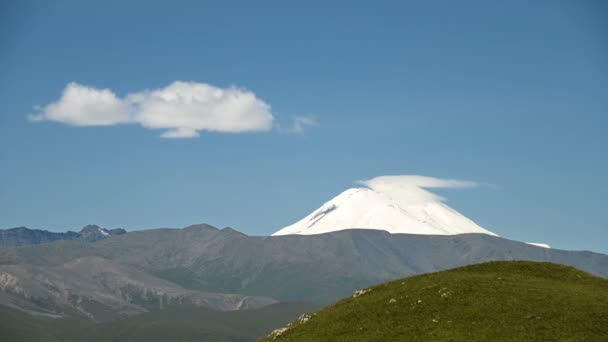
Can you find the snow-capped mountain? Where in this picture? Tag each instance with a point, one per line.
(397, 204)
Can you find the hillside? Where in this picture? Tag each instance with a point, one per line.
(168, 325)
(513, 301)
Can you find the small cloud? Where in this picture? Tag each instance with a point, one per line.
(299, 124)
(183, 109)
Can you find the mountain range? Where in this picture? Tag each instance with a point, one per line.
(223, 269)
(24, 236)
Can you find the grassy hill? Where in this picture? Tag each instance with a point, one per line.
(496, 301)
(167, 325)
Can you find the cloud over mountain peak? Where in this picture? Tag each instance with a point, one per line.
(397, 204)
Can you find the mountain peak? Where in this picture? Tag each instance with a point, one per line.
(230, 230)
(90, 228)
(93, 233)
(200, 226)
(397, 204)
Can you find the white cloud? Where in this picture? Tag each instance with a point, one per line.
(182, 109)
(85, 106)
(411, 188)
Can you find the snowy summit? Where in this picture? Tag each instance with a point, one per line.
(396, 204)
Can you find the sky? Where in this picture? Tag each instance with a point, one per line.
(100, 104)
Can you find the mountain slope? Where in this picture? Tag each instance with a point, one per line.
(70, 278)
(101, 289)
(497, 301)
(397, 204)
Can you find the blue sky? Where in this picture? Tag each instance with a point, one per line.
(513, 95)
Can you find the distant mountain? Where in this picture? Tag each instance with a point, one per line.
(71, 278)
(497, 301)
(396, 204)
(226, 270)
(24, 236)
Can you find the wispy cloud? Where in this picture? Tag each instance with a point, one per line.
(300, 123)
(297, 126)
(182, 109)
(412, 188)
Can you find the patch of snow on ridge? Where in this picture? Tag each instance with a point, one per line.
(103, 232)
(538, 244)
(397, 204)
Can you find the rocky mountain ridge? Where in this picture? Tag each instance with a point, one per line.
(20, 236)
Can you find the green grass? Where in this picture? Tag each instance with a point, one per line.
(496, 301)
(168, 325)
